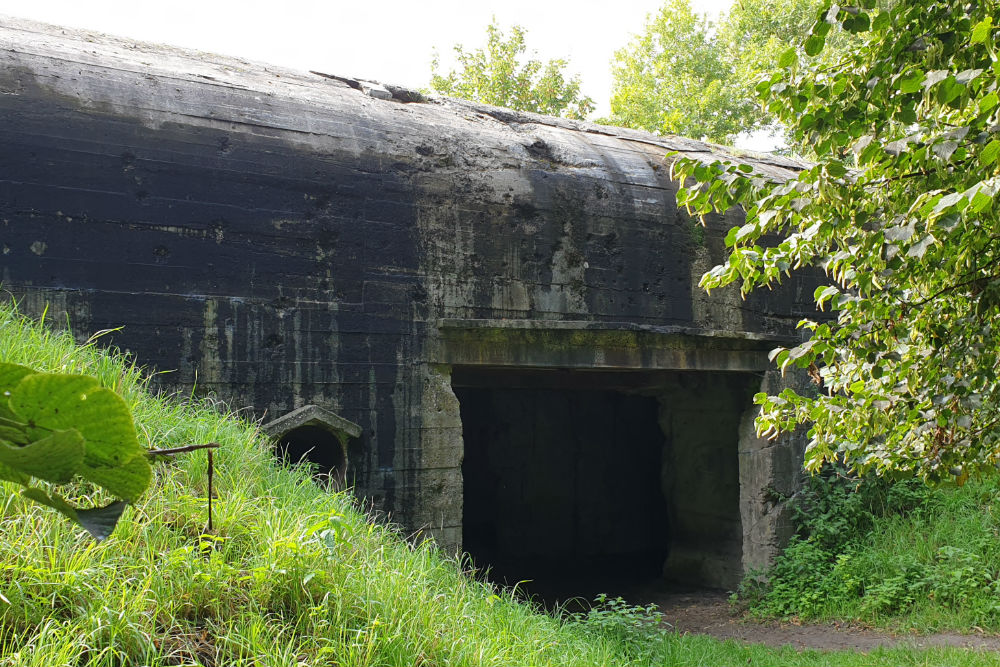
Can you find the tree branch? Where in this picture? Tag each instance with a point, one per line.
(181, 450)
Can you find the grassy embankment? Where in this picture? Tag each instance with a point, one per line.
(292, 575)
(897, 556)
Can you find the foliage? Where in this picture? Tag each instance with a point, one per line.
(900, 211)
(57, 426)
(640, 630)
(888, 554)
(835, 508)
(291, 575)
(497, 75)
(689, 76)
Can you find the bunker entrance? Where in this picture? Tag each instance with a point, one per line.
(316, 445)
(313, 434)
(597, 481)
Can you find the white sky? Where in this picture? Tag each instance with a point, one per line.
(384, 40)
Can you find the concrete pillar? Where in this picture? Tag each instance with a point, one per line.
(436, 492)
(770, 473)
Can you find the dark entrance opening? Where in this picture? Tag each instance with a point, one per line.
(585, 481)
(562, 483)
(317, 445)
(312, 434)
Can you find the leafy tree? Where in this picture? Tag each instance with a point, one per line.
(689, 76)
(496, 75)
(900, 209)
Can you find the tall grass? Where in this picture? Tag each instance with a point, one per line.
(290, 575)
(897, 556)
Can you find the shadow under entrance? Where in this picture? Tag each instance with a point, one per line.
(592, 481)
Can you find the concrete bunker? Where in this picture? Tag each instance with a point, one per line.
(283, 238)
(582, 480)
(597, 458)
(314, 435)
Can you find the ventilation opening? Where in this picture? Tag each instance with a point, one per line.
(312, 434)
(584, 482)
(315, 445)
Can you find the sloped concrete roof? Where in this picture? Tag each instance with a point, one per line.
(311, 414)
(267, 88)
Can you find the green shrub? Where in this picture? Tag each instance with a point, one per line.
(639, 631)
(887, 553)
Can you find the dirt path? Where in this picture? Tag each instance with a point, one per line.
(709, 613)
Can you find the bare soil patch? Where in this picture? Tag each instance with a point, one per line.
(709, 613)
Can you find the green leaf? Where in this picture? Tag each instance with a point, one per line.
(126, 480)
(11, 430)
(11, 374)
(814, 44)
(11, 475)
(981, 31)
(55, 458)
(989, 154)
(113, 457)
(859, 23)
(836, 169)
(988, 102)
(822, 294)
(12, 427)
(949, 89)
(788, 58)
(52, 402)
(980, 202)
(911, 82)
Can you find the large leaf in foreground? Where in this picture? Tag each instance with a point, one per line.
(99, 521)
(11, 375)
(11, 427)
(113, 457)
(55, 402)
(127, 480)
(55, 458)
(13, 475)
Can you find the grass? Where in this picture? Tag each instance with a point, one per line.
(291, 575)
(899, 557)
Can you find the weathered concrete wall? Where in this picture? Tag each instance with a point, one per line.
(770, 472)
(703, 475)
(283, 239)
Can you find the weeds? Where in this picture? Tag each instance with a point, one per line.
(640, 631)
(891, 554)
(291, 574)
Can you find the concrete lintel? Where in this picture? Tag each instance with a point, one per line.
(585, 325)
(312, 414)
(567, 345)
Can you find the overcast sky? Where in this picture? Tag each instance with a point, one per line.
(384, 40)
